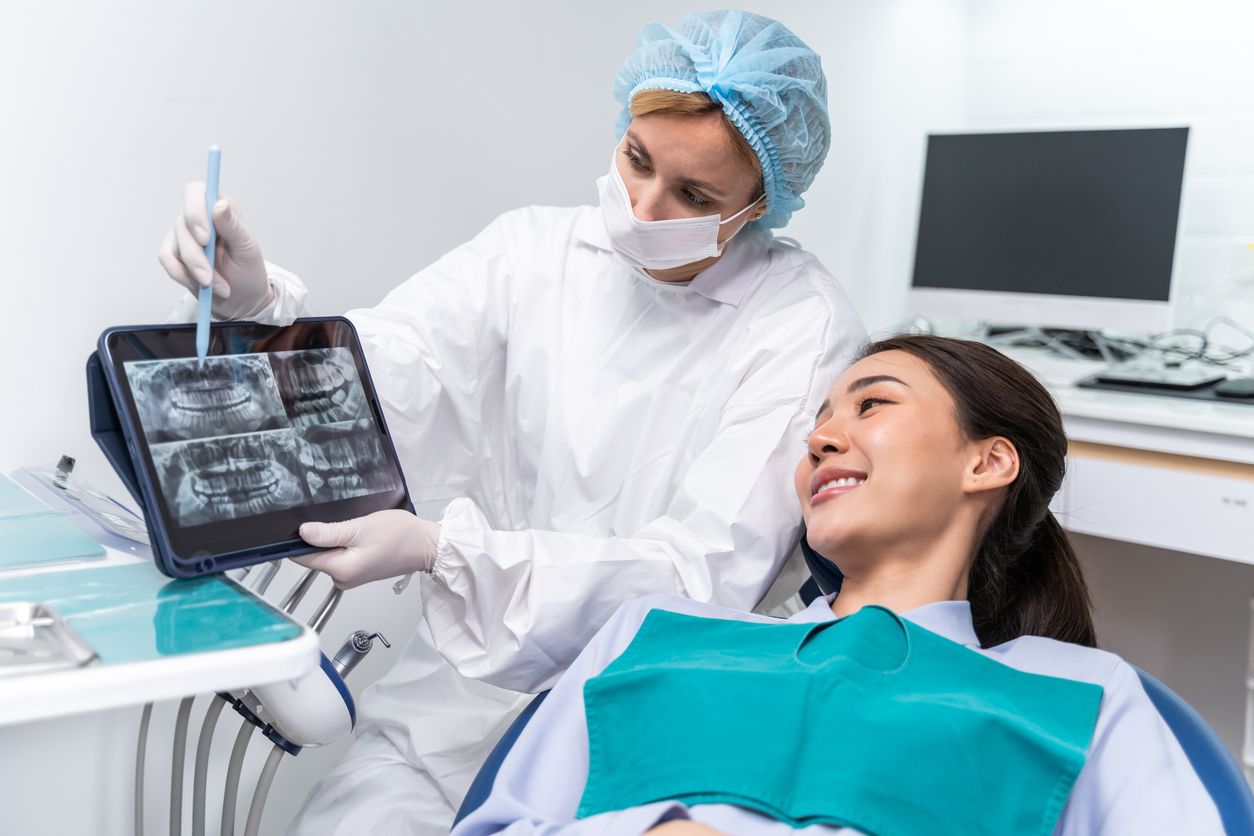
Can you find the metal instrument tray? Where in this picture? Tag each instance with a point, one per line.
(35, 639)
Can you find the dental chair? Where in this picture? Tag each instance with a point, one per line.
(1220, 774)
(1217, 770)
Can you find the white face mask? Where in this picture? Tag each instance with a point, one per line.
(658, 245)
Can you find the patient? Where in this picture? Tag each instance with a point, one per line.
(950, 686)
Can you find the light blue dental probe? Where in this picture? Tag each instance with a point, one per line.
(206, 293)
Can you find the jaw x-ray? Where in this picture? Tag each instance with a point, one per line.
(343, 460)
(178, 399)
(253, 433)
(319, 386)
(231, 476)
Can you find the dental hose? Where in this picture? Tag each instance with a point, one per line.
(203, 745)
(234, 768)
(293, 599)
(317, 621)
(325, 610)
(255, 810)
(266, 577)
(144, 720)
(204, 742)
(176, 768)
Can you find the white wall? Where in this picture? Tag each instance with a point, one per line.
(362, 141)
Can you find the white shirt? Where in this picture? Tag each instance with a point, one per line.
(1136, 778)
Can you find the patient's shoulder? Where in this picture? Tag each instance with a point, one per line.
(617, 633)
(632, 613)
(1050, 657)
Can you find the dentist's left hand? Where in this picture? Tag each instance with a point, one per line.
(381, 545)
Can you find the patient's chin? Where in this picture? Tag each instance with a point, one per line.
(827, 539)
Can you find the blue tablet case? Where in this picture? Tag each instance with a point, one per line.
(108, 431)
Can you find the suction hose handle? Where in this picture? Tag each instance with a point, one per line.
(354, 650)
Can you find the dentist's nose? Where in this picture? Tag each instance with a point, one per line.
(648, 204)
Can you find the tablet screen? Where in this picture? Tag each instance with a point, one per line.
(261, 439)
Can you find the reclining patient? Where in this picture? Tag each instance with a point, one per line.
(952, 684)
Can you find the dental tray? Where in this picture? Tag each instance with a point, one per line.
(34, 639)
(280, 425)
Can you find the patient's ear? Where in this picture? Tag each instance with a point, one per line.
(994, 463)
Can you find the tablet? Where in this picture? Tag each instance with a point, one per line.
(280, 426)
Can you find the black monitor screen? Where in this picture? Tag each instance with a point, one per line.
(1074, 213)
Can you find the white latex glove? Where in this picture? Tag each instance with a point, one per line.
(240, 286)
(370, 548)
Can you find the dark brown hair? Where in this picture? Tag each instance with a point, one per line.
(1025, 579)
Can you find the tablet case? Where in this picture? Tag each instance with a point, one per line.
(107, 430)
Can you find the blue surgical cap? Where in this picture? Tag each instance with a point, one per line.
(769, 83)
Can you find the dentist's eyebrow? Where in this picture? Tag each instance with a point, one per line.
(640, 149)
(864, 382)
(703, 185)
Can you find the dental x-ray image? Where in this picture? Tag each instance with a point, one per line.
(344, 460)
(178, 399)
(320, 386)
(249, 434)
(235, 476)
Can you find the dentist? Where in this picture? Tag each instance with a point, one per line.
(614, 396)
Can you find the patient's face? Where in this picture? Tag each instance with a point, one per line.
(883, 467)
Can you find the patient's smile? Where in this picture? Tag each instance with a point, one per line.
(831, 482)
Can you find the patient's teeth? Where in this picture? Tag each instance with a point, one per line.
(843, 482)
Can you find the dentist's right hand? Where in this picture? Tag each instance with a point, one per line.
(240, 286)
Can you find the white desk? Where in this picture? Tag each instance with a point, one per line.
(1166, 472)
(1160, 471)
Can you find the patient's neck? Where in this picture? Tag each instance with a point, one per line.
(907, 576)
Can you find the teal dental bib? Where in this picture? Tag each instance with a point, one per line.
(869, 722)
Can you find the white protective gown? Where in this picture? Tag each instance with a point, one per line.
(605, 435)
(1136, 778)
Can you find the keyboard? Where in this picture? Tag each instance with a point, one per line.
(1052, 370)
(1160, 377)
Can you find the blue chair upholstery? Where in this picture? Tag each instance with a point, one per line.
(1219, 773)
(481, 787)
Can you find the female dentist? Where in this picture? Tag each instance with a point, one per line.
(615, 395)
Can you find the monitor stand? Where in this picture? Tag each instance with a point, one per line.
(1121, 372)
(1076, 345)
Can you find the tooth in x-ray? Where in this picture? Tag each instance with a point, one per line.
(319, 386)
(345, 459)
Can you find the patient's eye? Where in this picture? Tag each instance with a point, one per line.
(869, 403)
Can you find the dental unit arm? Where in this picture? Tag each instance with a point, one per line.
(317, 709)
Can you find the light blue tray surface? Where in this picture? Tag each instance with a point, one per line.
(16, 502)
(32, 534)
(134, 613)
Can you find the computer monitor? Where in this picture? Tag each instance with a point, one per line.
(1065, 229)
